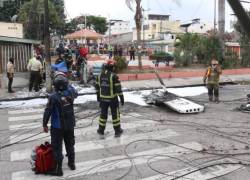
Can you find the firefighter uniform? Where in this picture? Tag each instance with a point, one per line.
(108, 88)
(212, 76)
(60, 109)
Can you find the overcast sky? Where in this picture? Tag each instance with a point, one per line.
(185, 10)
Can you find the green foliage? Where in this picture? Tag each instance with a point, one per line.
(244, 43)
(32, 16)
(9, 9)
(99, 24)
(230, 61)
(161, 55)
(189, 46)
(121, 63)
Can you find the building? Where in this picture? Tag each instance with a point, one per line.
(20, 49)
(196, 26)
(159, 32)
(11, 30)
(121, 39)
(12, 44)
(118, 27)
(84, 36)
(156, 26)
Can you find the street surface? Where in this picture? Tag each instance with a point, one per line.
(157, 143)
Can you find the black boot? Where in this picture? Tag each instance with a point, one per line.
(216, 99)
(57, 171)
(71, 163)
(118, 131)
(100, 130)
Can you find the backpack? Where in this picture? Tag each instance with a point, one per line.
(42, 159)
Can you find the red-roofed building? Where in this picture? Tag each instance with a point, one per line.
(82, 35)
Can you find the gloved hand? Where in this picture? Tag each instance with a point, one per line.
(98, 96)
(121, 99)
(204, 80)
(45, 129)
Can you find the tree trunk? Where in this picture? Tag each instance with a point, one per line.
(47, 46)
(138, 18)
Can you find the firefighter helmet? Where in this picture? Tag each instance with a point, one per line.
(110, 65)
(60, 81)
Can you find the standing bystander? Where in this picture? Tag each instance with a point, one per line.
(10, 74)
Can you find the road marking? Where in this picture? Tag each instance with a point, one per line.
(29, 110)
(211, 173)
(78, 131)
(26, 111)
(25, 118)
(114, 162)
(101, 144)
(25, 126)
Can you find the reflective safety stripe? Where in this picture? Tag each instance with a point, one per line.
(102, 120)
(116, 124)
(108, 97)
(116, 120)
(111, 86)
(102, 124)
(117, 84)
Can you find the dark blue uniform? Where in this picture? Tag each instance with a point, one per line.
(60, 109)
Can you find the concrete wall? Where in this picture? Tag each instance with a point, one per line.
(11, 29)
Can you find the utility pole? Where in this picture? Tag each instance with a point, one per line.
(109, 30)
(215, 9)
(47, 46)
(221, 22)
(85, 29)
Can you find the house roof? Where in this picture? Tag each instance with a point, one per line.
(84, 33)
(18, 40)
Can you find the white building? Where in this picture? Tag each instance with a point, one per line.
(118, 27)
(196, 26)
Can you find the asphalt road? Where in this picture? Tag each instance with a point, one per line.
(157, 143)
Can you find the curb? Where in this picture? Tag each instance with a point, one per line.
(181, 74)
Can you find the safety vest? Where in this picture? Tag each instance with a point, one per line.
(213, 76)
(108, 88)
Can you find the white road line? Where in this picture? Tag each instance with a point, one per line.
(100, 144)
(25, 118)
(78, 132)
(26, 111)
(34, 125)
(198, 175)
(25, 126)
(114, 162)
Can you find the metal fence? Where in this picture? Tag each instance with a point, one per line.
(20, 52)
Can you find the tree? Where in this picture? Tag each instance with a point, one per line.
(138, 22)
(97, 23)
(244, 43)
(203, 47)
(10, 8)
(32, 16)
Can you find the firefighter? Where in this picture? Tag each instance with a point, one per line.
(108, 88)
(212, 77)
(60, 108)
